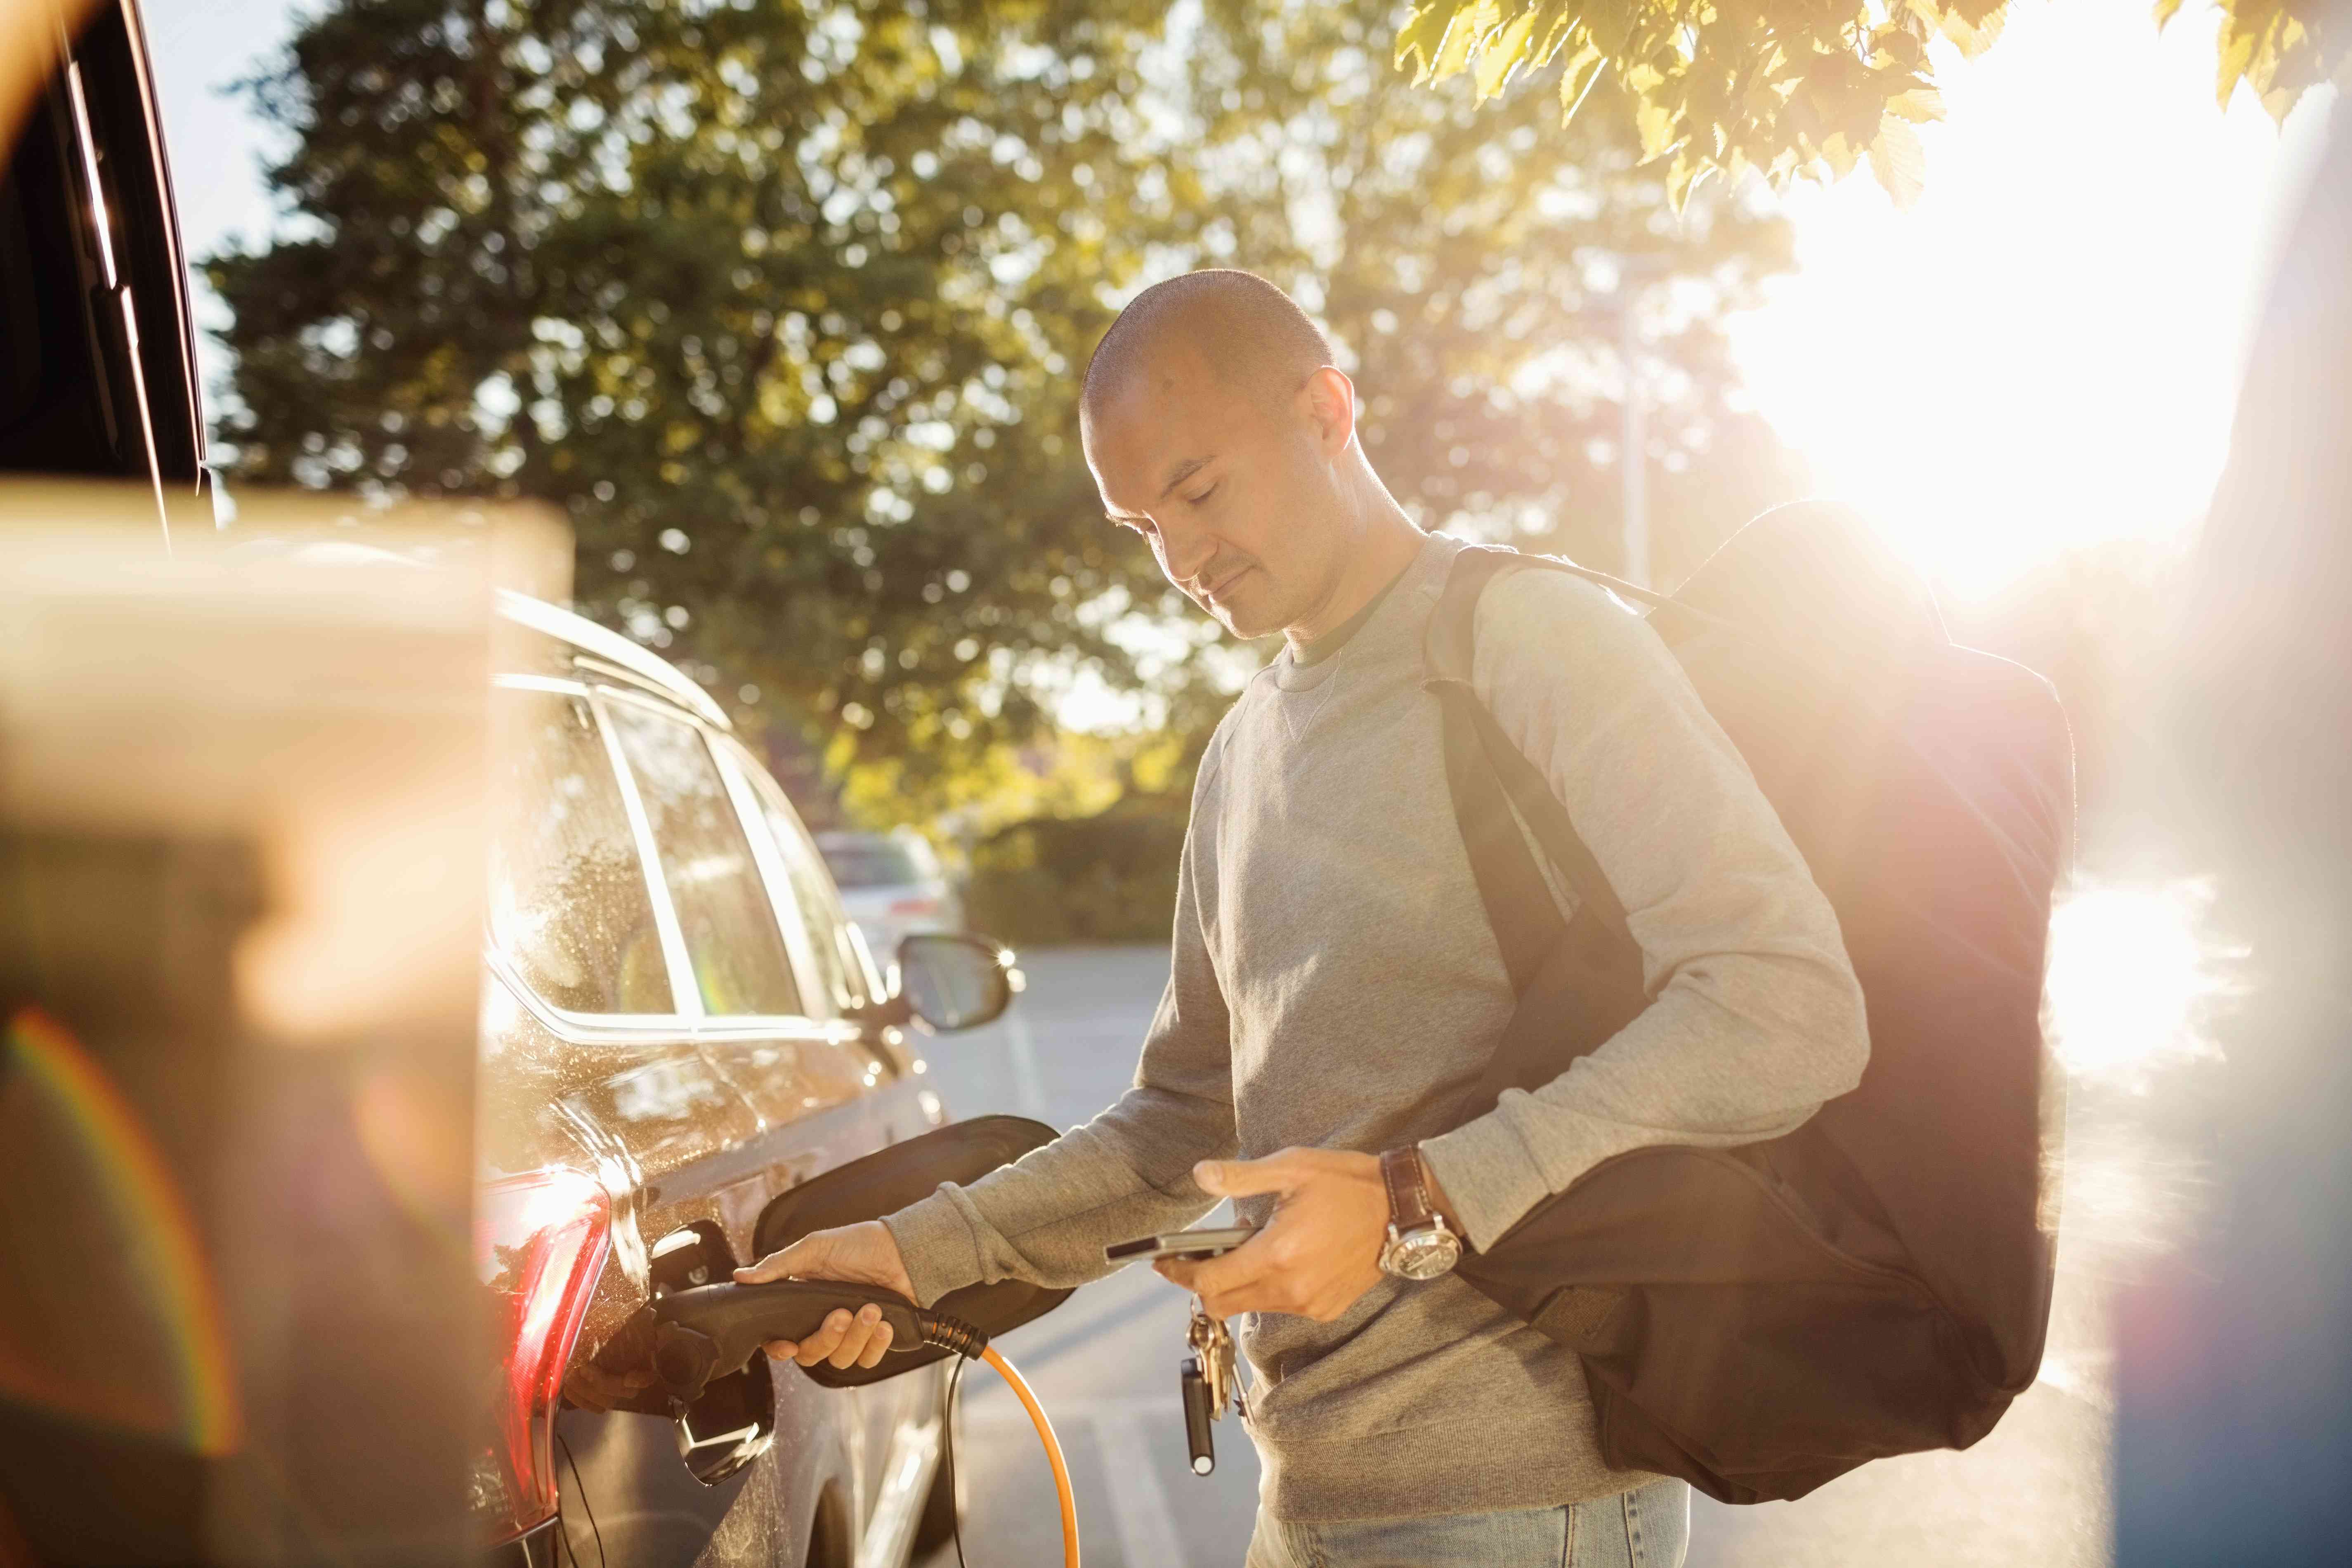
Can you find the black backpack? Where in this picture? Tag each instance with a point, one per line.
(1760, 1320)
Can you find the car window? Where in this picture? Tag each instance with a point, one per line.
(569, 905)
(830, 934)
(731, 939)
(869, 861)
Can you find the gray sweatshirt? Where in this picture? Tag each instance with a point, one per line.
(1335, 984)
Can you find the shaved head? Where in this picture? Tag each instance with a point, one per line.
(1218, 428)
(1253, 337)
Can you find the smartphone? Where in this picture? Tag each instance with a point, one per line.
(1190, 1245)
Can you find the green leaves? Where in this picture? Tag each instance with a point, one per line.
(1800, 90)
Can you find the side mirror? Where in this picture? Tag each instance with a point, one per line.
(953, 982)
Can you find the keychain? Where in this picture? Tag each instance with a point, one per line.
(1207, 1384)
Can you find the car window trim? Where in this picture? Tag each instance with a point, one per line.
(553, 683)
(686, 992)
(768, 856)
(870, 977)
(579, 1027)
(590, 642)
(640, 1029)
(803, 1025)
(181, 307)
(103, 212)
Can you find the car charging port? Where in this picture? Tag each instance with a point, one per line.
(724, 1419)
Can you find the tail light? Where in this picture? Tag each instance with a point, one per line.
(540, 1243)
(915, 907)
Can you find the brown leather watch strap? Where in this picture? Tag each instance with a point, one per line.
(1408, 1185)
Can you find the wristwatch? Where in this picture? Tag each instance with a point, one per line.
(1419, 1246)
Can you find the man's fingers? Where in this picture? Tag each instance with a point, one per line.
(854, 1339)
(1242, 1178)
(1266, 1293)
(876, 1347)
(803, 1258)
(1242, 1266)
(820, 1345)
(782, 1350)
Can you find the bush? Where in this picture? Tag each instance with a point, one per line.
(1110, 877)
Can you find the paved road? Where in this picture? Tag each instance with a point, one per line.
(2035, 1491)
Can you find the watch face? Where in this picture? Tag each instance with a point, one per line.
(1423, 1253)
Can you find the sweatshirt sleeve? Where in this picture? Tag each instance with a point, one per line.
(1757, 1017)
(1046, 1217)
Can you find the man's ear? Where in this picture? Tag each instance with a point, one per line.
(1329, 399)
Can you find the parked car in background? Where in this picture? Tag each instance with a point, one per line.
(891, 884)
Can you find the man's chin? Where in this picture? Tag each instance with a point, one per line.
(1248, 627)
(1251, 614)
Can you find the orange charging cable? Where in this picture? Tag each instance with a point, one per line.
(1053, 1453)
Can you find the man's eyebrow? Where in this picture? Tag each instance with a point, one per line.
(1185, 471)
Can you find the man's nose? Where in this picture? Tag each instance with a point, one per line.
(1184, 552)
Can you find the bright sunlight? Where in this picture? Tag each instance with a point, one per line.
(2043, 353)
(2134, 975)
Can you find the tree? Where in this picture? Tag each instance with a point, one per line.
(781, 304)
(784, 302)
(1797, 91)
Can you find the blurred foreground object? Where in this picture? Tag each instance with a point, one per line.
(242, 853)
(2235, 1358)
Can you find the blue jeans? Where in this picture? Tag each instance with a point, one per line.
(1648, 1527)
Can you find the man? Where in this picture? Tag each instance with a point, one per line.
(1336, 986)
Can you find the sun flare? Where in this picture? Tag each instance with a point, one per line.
(2043, 353)
(2134, 976)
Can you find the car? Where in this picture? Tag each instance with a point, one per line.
(680, 1023)
(98, 365)
(891, 884)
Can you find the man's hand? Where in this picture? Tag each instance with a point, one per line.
(864, 1254)
(1320, 1253)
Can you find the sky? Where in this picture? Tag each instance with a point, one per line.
(2042, 354)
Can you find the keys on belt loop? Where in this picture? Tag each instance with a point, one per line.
(1207, 1384)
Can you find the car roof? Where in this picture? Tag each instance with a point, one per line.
(614, 648)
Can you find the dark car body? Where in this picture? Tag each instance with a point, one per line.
(97, 369)
(678, 1023)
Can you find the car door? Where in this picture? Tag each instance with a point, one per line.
(588, 1063)
(898, 1417)
(778, 975)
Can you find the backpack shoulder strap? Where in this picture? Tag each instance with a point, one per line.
(1520, 910)
(1490, 778)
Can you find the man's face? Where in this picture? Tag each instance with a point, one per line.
(1241, 502)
